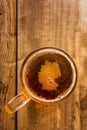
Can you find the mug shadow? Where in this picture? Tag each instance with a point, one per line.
(43, 116)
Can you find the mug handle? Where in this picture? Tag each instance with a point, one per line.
(17, 102)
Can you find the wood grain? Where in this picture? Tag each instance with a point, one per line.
(40, 23)
(7, 60)
(50, 23)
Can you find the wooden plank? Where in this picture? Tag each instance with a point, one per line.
(83, 64)
(83, 80)
(7, 60)
(53, 23)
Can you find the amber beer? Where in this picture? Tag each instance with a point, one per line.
(49, 74)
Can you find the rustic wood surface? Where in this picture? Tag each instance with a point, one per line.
(26, 25)
(7, 61)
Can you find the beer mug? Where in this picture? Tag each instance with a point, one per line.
(48, 75)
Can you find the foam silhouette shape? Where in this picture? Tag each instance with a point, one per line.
(47, 75)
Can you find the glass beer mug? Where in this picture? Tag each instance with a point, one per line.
(48, 75)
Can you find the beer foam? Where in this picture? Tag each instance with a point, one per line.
(47, 75)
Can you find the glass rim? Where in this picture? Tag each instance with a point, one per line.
(46, 50)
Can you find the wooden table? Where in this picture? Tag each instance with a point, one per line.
(26, 25)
